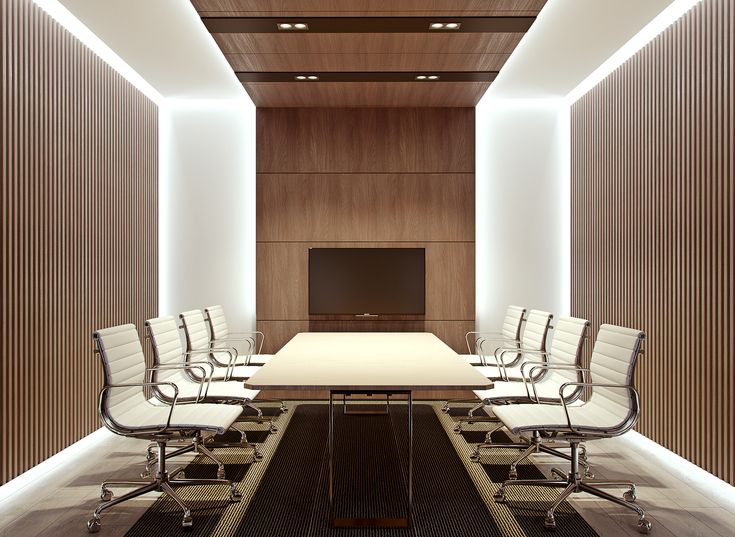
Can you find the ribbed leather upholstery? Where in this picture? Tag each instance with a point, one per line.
(128, 408)
(512, 322)
(608, 410)
(220, 330)
(566, 348)
(167, 350)
(532, 339)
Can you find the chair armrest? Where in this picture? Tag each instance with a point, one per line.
(623, 426)
(548, 366)
(255, 333)
(113, 427)
(189, 365)
(230, 364)
(491, 336)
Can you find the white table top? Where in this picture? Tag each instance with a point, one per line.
(367, 360)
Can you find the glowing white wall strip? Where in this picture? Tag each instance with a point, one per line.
(666, 18)
(64, 17)
(41, 472)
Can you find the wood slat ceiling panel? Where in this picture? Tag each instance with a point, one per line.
(366, 94)
(468, 43)
(366, 62)
(258, 8)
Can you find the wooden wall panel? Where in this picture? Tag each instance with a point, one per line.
(652, 221)
(373, 140)
(361, 207)
(449, 267)
(79, 229)
(365, 178)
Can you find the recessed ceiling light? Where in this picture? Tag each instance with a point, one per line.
(292, 26)
(421, 77)
(444, 26)
(313, 77)
(433, 77)
(284, 26)
(301, 26)
(300, 77)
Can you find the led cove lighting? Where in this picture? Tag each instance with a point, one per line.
(292, 26)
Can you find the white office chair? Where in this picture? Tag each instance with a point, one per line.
(612, 410)
(224, 359)
(510, 334)
(542, 380)
(221, 336)
(504, 362)
(173, 364)
(124, 410)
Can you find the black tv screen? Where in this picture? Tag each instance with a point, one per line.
(388, 281)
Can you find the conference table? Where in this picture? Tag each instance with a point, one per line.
(368, 363)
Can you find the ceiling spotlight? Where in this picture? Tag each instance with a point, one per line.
(292, 26)
(444, 26)
(300, 77)
(436, 25)
(433, 77)
(452, 25)
(285, 26)
(313, 77)
(301, 26)
(421, 77)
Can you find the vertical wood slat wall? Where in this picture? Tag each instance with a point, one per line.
(652, 221)
(79, 228)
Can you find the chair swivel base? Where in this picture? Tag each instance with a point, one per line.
(572, 483)
(163, 482)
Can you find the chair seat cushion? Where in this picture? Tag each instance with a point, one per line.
(587, 417)
(218, 390)
(203, 417)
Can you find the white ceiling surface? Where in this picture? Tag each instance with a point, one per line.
(165, 42)
(568, 41)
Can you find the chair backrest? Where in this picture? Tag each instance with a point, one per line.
(535, 331)
(217, 322)
(614, 359)
(512, 322)
(195, 329)
(566, 348)
(123, 362)
(163, 334)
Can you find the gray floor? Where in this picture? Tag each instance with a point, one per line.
(61, 502)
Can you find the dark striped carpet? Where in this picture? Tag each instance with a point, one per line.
(291, 498)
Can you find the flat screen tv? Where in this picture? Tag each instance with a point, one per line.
(377, 281)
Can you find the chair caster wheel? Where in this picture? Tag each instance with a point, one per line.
(513, 473)
(644, 526)
(181, 475)
(499, 496)
(187, 522)
(629, 496)
(93, 525)
(220, 473)
(235, 495)
(145, 475)
(458, 428)
(445, 409)
(106, 494)
(283, 409)
(550, 523)
(475, 456)
(272, 429)
(257, 455)
(588, 475)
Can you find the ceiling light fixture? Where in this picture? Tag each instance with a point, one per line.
(444, 26)
(427, 77)
(292, 26)
(301, 78)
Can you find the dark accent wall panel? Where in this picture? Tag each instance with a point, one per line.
(652, 227)
(378, 177)
(79, 229)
